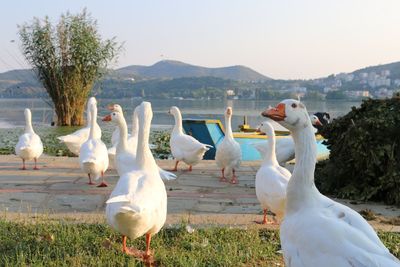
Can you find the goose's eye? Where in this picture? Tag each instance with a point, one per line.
(114, 114)
(294, 105)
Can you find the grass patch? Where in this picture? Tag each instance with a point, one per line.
(70, 244)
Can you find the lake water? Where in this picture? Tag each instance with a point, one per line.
(11, 110)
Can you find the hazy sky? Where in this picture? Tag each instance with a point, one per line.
(286, 39)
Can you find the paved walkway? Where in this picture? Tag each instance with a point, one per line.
(60, 189)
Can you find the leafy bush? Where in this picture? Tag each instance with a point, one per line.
(365, 153)
(161, 140)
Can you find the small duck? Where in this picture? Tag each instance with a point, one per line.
(184, 147)
(93, 155)
(29, 145)
(229, 154)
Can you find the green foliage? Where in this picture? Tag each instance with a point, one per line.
(68, 58)
(365, 153)
(161, 140)
(78, 244)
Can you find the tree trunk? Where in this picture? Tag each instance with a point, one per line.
(69, 113)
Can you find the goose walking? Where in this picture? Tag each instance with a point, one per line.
(93, 156)
(229, 154)
(318, 231)
(29, 145)
(74, 140)
(138, 204)
(184, 147)
(271, 178)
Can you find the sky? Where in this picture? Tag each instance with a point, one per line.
(282, 39)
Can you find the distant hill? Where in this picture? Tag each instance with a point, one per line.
(169, 69)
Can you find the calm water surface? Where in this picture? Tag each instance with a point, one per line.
(11, 110)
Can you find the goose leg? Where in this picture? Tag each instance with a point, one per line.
(90, 180)
(190, 168)
(23, 165)
(223, 179)
(234, 178)
(147, 254)
(103, 183)
(264, 221)
(130, 251)
(176, 166)
(35, 168)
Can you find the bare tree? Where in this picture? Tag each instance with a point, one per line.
(68, 59)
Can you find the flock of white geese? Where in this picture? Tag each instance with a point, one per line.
(315, 230)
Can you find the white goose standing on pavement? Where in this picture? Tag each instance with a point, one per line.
(184, 147)
(93, 155)
(138, 204)
(229, 154)
(271, 178)
(29, 145)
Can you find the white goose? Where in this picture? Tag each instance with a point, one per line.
(229, 154)
(29, 145)
(271, 178)
(74, 140)
(126, 148)
(115, 135)
(138, 203)
(93, 156)
(318, 231)
(284, 147)
(184, 147)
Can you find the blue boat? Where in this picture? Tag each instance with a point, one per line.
(212, 132)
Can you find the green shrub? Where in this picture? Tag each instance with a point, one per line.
(365, 153)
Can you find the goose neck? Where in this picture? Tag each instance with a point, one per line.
(123, 135)
(144, 157)
(135, 125)
(178, 123)
(301, 187)
(88, 116)
(228, 127)
(270, 154)
(93, 122)
(28, 123)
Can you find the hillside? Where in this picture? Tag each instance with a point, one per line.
(169, 69)
(394, 69)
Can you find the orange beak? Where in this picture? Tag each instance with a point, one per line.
(276, 114)
(107, 118)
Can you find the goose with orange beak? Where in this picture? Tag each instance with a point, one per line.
(318, 231)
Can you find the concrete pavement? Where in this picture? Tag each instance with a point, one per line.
(60, 189)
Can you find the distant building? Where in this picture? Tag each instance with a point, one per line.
(357, 94)
(383, 93)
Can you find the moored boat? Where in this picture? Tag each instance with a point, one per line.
(212, 132)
